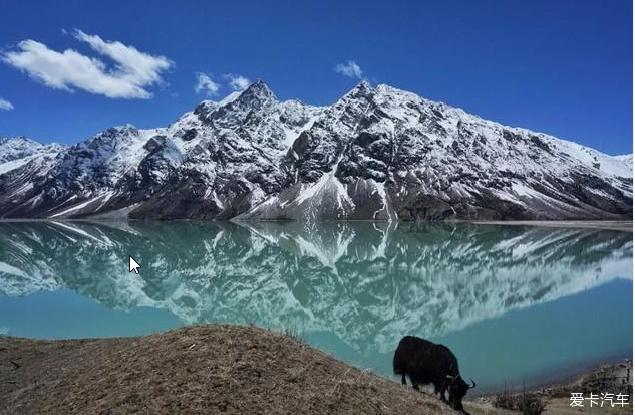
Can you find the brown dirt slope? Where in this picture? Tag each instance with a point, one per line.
(221, 369)
(212, 369)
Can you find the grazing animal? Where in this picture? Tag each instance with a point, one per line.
(425, 362)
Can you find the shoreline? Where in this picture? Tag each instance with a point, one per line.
(557, 377)
(615, 378)
(620, 225)
(616, 225)
(209, 369)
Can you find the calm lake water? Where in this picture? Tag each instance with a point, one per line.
(515, 304)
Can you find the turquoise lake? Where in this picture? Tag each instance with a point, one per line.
(516, 304)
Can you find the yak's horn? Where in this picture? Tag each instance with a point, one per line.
(473, 384)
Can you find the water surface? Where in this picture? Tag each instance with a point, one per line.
(516, 304)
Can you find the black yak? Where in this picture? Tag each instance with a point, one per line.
(424, 363)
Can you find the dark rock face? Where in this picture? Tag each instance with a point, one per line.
(377, 153)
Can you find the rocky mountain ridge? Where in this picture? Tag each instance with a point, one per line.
(378, 153)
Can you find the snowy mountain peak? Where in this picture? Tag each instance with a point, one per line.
(19, 139)
(362, 89)
(377, 153)
(363, 85)
(21, 152)
(114, 132)
(12, 148)
(259, 89)
(256, 95)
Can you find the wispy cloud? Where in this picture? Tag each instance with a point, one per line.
(350, 69)
(237, 82)
(129, 75)
(5, 105)
(205, 84)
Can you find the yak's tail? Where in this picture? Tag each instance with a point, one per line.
(399, 362)
(396, 364)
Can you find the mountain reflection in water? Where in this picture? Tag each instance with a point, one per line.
(352, 288)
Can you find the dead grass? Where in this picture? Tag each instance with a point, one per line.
(527, 403)
(217, 369)
(198, 370)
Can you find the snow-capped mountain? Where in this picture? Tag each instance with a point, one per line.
(367, 283)
(19, 151)
(23, 165)
(377, 153)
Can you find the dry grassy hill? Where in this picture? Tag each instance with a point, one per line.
(197, 370)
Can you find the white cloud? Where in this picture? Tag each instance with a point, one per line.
(130, 74)
(5, 105)
(237, 82)
(205, 84)
(350, 69)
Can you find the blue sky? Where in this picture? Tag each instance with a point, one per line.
(561, 67)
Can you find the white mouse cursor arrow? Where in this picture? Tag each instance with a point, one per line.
(133, 265)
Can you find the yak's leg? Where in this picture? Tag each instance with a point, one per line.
(414, 385)
(444, 386)
(403, 379)
(441, 393)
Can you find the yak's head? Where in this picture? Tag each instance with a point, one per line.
(457, 390)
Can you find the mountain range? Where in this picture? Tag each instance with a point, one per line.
(377, 153)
